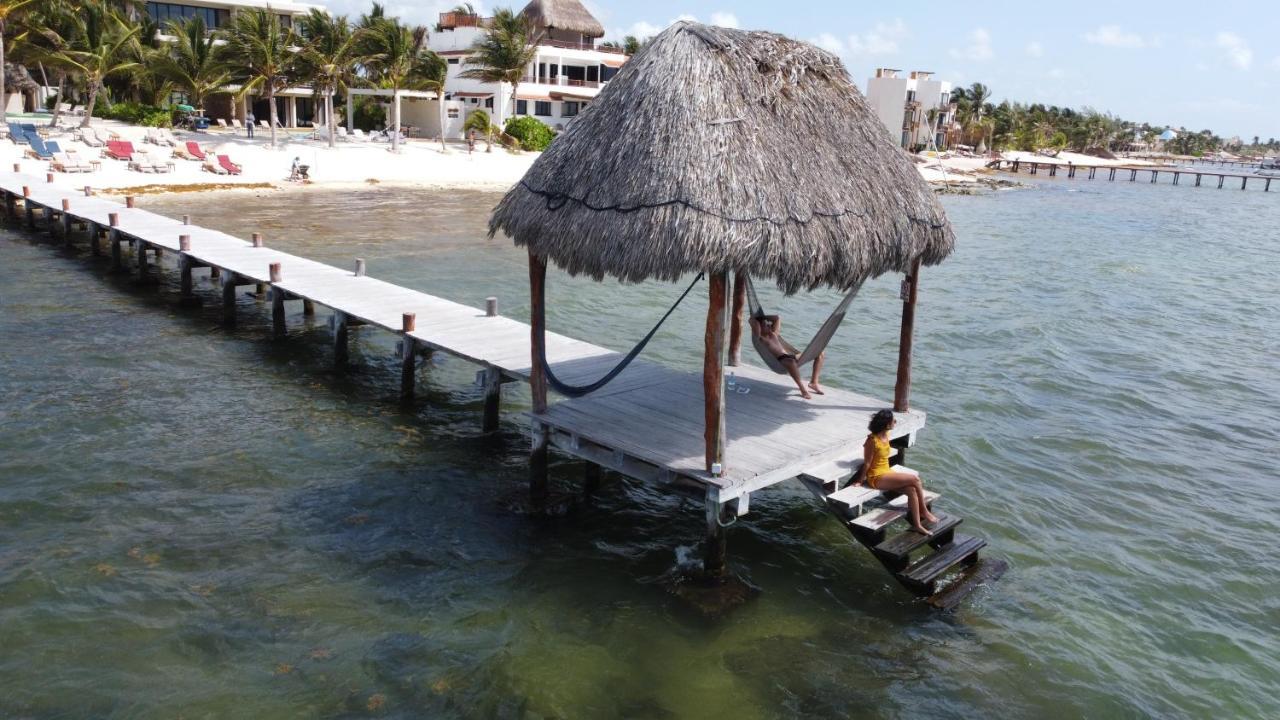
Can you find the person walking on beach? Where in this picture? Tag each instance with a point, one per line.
(768, 328)
(471, 141)
(249, 120)
(879, 476)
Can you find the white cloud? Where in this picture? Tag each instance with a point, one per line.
(1236, 49)
(724, 19)
(830, 43)
(883, 39)
(1035, 49)
(979, 47)
(640, 30)
(1114, 36)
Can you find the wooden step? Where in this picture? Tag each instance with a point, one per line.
(923, 575)
(898, 547)
(854, 497)
(835, 473)
(987, 570)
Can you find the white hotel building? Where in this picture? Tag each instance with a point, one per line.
(568, 71)
(904, 105)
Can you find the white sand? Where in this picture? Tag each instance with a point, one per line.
(419, 162)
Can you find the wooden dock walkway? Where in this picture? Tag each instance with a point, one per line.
(647, 424)
(1071, 171)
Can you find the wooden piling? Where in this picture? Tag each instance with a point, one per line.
(113, 236)
(229, 299)
(338, 323)
(1133, 176)
(10, 205)
(308, 307)
(257, 240)
(537, 376)
(715, 547)
(28, 207)
(48, 177)
(186, 219)
(714, 347)
(902, 387)
(408, 355)
(95, 232)
(1221, 180)
(188, 296)
(1112, 177)
(492, 399)
(1267, 187)
(1093, 171)
(1154, 175)
(735, 318)
(359, 267)
(1198, 176)
(129, 202)
(66, 220)
(140, 253)
(1244, 182)
(491, 307)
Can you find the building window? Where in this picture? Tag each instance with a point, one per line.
(911, 96)
(454, 61)
(162, 13)
(541, 108)
(522, 107)
(570, 109)
(488, 102)
(607, 73)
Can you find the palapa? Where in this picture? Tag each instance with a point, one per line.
(568, 15)
(727, 150)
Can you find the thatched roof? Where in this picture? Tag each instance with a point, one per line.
(568, 15)
(18, 79)
(717, 149)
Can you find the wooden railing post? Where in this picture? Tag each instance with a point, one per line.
(902, 388)
(713, 373)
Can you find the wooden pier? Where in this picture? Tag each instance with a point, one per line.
(647, 424)
(1129, 173)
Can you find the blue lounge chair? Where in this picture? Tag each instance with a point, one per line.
(16, 134)
(38, 147)
(28, 127)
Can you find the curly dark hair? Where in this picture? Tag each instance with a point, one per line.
(880, 421)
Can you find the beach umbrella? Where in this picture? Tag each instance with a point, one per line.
(186, 108)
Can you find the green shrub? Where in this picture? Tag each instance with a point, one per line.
(136, 114)
(478, 120)
(532, 133)
(369, 114)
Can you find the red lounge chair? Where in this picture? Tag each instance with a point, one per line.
(193, 149)
(225, 162)
(120, 150)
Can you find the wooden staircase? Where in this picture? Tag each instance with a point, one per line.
(879, 522)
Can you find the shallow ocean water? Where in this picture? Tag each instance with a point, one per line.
(199, 522)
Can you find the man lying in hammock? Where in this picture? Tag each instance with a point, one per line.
(769, 328)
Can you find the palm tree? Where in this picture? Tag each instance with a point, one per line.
(11, 11)
(104, 44)
(978, 95)
(394, 60)
(192, 62)
(260, 52)
(503, 53)
(432, 71)
(329, 58)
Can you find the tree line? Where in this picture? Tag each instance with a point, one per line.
(113, 50)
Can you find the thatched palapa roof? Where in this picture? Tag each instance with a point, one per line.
(18, 79)
(717, 149)
(568, 15)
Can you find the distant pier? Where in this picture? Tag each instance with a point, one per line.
(1129, 173)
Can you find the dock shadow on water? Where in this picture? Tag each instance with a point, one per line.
(205, 522)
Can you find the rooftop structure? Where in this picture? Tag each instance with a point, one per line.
(904, 105)
(567, 73)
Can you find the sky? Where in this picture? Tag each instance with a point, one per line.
(1200, 65)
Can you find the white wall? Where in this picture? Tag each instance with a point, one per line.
(888, 97)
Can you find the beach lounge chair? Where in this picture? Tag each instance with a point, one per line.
(224, 161)
(119, 150)
(212, 166)
(29, 128)
(67, 163)
(17, 135)
(263, 124)
(191, 152)
(140, 161)
(222, 124)
(166, 137)
(88, 137)
(150, 137)
(358, 135)
(38, 148)
(235, 123)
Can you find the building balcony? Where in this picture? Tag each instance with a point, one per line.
(562, 81)
(562, 45)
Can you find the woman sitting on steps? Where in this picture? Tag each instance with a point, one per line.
(879, 476)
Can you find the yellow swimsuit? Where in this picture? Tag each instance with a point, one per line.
(879, 461)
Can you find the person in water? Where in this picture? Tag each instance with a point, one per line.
(878, 475)
(769, 328)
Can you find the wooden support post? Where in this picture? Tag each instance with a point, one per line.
(359, 267)
(1053, 170)
(215, 272)
(1198, 179)
(66, 221)
(9, 205)
(902, 387)
(1221, 179)
(308, 307)
(95, 244)
(140, 253)
(492, 398)
(28, 207)
(257, 240)
(1244, 182)
(1035, 168)
(1176, 177)
(229, 298)
(1154, 175)
(714, 347)
(735, 318)
(408, 355)
(1267, 187)
(1112, 177)
(1016, 163)
(1093, 171)
(113, 236)
(338, 323)
(278, 329)
(591, 477)
(715, 545)
(491, 307)
(1133, 176)
(537, 377)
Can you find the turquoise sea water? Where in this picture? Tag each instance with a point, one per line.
(203, 523)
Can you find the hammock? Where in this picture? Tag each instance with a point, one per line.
(815, 346)
(574, 391)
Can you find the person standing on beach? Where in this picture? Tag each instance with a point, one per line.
(471, 141)
(249, 120)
